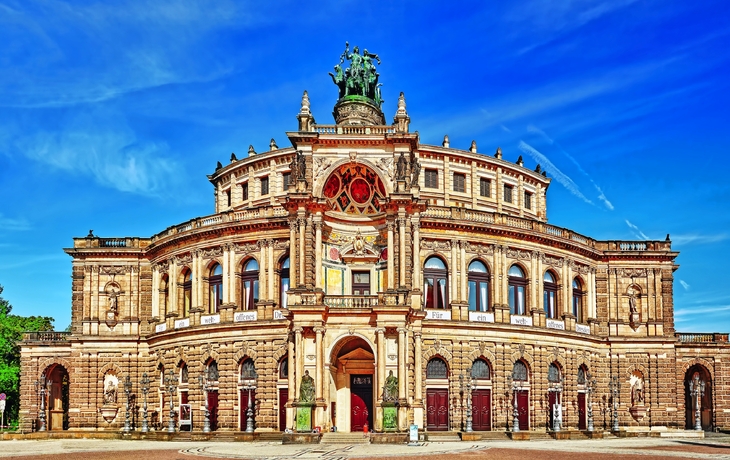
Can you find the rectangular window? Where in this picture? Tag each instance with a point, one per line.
(244, 190)
(228, 197)
(528, 200)
(485, 187)
(459, 182)
(264, 185)
(508, 193)
(285, 178)
(431, 178)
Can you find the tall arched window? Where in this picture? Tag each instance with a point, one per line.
(187, 288)
(550, 295)
(215, 281)
(478, 286)
(553, 373)
(284, 368)
(213, 370)
(437, 369)
(480, 369)
(284, 283)
(578, 300)
(517, 288)
(519, 372)
(248, 370)
(435, 285)
(250, 285)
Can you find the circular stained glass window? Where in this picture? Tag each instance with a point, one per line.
(360, 191)
(355, 189)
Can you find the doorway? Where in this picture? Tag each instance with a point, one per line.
(57, 415)
(283, 398)
(361, 402)
(705, 401)
(523, 409)
(437, 409)
(582, 411)
(481, 410)
(360, 283)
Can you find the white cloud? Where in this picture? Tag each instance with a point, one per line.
(698, 239)
(553, 170)
(10, 224)
(637, 232)
(684, 284)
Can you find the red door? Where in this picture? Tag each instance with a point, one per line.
(582, 411)
(523, 409)
(360, 413)
(361, 398)
(283, 398)
(481, 410)
(213, 409)
(437, 409)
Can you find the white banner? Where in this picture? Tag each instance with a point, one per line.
(180, 323)
(210, 319)
(481, 316)
(521, 320)
(161, 327)
(582, 328)
(438, 314)
(555, 324)
(278, 314)
(242, 316)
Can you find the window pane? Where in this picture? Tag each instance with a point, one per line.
(436, 369)
(434, 262)
(284, 290)
(483, 296)
(516, 271)
(252, 265)
(521, 300)
(472, 296)
(256, 291)
(512, 300)
(477, 266)
(429, 292)
(480, 370)
(441, 293)
(548, 277)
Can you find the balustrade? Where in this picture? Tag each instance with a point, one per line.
(691, 337)
(46, 336)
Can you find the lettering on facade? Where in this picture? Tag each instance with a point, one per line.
(245, 316)
(161, 327)
(278, 315)
(438, 314)
(211, 319)
(180, 323)
(554, 324)
(582, 328)
(362, 381)
(521, 320)
(481, 316)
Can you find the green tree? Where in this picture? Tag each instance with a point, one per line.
(11, 333)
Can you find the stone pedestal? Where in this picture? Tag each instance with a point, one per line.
(304, 418)
(390, 417)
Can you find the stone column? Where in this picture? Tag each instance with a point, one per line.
(591, 288)
(318, 384)
(155, 291)
(299, 354)
(402, 269)
(231, 288)
(302, 235)
(271, 276)
(497, 279)
(402, 374)
(453, 274)
(417, 368)
(293, 253)
(464, 274)
(317, 221)
(172, 278)
(291, 363)
(416, 226)
(380, 370)
(226, 267)
(263, 291)
(391, 254)
(195, 288)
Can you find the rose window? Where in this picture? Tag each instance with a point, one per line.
(355, 189)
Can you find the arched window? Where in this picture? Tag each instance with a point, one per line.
(480, 370)
(250, 285)
(284, 283)
(184, 376)
(436, 369)
(478, 286)
(215, 281)
(517, 288)
(578, 300)
(284, 368)
(435, 285)
(519, 372)
(581, 375)
(248, 370)
(553, 373)
(213, 370)
(187, 288)
(550, 295)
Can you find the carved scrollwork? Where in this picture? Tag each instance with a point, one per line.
(552, 261)
(480, 249)
(212, 252)
(517, 254)
(184, 259)
(436, 245)
(246, 248)
(320, 166)
(114, 270)
(386, 165)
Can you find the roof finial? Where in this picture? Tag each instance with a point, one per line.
(233, 157)
(251, 151)
(272, 144)
(445, 143)
(498, 153)
(520, 162)
(473, 148)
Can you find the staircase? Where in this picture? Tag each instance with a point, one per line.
(344, 438)
(270, 436)
(443, 436)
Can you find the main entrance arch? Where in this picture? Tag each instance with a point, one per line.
(351, 384)
(705, 401)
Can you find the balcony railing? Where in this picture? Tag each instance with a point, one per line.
(48, 336)
(349, 301)
(713, 337)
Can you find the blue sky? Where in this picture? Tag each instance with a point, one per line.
(112, 113)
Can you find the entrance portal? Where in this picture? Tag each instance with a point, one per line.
(482, 410)
(705, 401)
(361, 402)
(352, 382)
(57, 415)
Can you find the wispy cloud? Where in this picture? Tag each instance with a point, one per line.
(699, 239)
(11, 224)
(682, 312)
(636, 231)
(553, 170)
(684, 284)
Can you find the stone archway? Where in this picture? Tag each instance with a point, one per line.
(706, 412)
(58, 397)
(351, 384)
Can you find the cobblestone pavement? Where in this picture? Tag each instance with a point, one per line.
(641, 448)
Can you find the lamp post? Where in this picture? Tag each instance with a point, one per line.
(249, 413)
(43, 387)
(590, 389)
(470, 386)
(171, 385)
(127, 390)
(557, 409)
(615, 387)
(697, 391)
(204, 381)
(145, 387)
(515, 411)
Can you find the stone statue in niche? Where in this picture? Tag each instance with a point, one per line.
(638, 408)
(401, 167)
(637, 392)
(634, 316)
(306, 389)
(110, 392)
(390, 390)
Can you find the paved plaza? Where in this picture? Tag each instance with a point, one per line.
(715, 447)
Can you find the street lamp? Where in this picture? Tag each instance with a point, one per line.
(468, 385)
(515, 412)
(145, 382)
(248, 386)
(697, 391)
(171, 384)
(127, 390)
(204, 381)
(615, 387)
(557, 409)
(43, 387)
(590, 389)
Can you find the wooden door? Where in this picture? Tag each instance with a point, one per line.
(481, 410)
(437, 409)
(361, 400)
(213, 409)
(523, 409)
(283, 398)
(582, 411)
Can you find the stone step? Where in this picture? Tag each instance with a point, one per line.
(443, 436)
(344, 438)
(270, 436)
